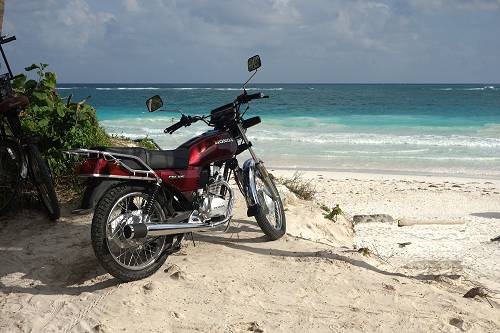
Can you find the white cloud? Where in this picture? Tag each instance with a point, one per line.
(207, 39)
(62, 25)
(484, 5)
(132, 5)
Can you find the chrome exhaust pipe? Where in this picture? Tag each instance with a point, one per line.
(141, 230)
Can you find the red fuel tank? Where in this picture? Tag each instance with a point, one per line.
(210, 147)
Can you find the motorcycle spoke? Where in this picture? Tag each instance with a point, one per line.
(119, 228)
(138, 253)
(133, 248)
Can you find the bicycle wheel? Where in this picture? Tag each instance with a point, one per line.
(10, 173)
(42, 179)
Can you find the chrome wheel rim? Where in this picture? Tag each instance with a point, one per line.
(135, 254)
(272, 208)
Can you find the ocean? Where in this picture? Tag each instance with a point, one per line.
(446, 129)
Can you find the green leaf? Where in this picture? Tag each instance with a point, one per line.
(30, 84)
(19, 82)
(39, 94)
(32, 67)
(61, 110)
(41, 98)
(50, 80)
(44, 122)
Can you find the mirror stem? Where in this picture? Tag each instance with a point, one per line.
(251, 76)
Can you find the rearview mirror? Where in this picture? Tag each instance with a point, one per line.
(254, 63)
(154, 103)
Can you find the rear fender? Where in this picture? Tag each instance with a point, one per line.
(97, 187)
(94, 190)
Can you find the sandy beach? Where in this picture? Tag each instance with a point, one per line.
(315, 279)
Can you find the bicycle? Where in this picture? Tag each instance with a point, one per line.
(19, 154)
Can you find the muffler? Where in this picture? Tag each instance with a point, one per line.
(178, 225)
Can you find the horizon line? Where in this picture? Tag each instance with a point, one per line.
(312, 83)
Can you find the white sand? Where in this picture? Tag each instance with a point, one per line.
(454, 220)
(50, 280)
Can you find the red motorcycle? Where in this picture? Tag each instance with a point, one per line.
(147, 200)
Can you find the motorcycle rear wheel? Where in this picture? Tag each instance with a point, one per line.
(128, 260)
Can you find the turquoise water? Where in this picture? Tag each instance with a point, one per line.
(450, 129)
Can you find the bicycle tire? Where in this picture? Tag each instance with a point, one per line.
(42, 179)
(10, 173)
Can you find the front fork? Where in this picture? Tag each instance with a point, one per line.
(245, 177)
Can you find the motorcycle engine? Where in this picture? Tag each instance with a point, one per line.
(214, 207)
(216, 201)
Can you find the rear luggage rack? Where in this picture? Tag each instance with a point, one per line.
(117, 158)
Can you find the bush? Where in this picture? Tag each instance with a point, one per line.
(300, 187)
(59, 124)
(146, 143)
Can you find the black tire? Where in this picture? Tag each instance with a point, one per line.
(273, 230)
(102, 214)
(10, 174)
(42, 179)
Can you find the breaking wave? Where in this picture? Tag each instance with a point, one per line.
(130, 88)
(470, 89)
(221, 89)
(385, 140)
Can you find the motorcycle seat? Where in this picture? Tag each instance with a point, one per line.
(13, 103)
(156, 159)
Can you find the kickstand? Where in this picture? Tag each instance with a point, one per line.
(192, 238)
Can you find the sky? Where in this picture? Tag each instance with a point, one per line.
(299, 41)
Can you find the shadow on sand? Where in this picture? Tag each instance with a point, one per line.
(488, 215)
(56, 256)
(337, 254)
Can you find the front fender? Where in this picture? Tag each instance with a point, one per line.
(250, 191)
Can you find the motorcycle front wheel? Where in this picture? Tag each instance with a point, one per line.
(271, 216)
(135, 259)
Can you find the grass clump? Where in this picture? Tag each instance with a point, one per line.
(118, 140)
(147, 143)
(299, 186)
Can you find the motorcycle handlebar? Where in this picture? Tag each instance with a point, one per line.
(185, 121)
(242, 99)
(245, 98)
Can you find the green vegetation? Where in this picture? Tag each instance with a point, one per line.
(146, 143)
(331, 214)
(364, 251)
(300, 187)
(59, 124)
